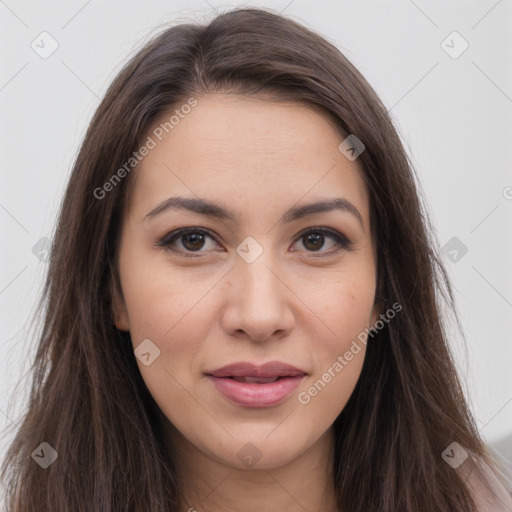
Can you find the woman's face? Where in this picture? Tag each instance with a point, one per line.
(254, 279)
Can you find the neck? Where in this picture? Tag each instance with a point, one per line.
(208, 485)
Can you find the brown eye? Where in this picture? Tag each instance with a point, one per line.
(193, 241)
(323, 241)
(313, 241)
(188, 240)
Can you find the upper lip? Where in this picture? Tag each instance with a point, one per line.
(270, 369)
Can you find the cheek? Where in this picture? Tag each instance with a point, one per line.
(344, 307)
(176, 314)
(162, 302)
(343, 302)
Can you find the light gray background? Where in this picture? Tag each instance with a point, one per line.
(454, 116)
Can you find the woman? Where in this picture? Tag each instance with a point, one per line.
(243, 299)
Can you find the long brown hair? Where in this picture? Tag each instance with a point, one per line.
(88, 400)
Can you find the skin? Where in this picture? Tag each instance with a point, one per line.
(294, 304)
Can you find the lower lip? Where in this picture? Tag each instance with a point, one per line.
(251, 394)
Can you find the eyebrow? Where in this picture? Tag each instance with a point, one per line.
(210, 209)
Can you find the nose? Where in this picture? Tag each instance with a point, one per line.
(258, 302)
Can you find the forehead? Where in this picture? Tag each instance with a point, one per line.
(246, 151)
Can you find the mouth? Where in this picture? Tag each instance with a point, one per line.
(270, 370)
(257, 380)
(246, 384)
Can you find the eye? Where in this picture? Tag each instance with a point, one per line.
(187, 240)
(314, 239)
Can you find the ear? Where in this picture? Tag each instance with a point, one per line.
(120, 313)
(375, 314)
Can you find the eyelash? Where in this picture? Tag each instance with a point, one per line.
(341, 241)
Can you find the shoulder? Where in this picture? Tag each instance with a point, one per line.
(491, 492)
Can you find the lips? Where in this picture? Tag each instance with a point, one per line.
(256, 386)
(270, 370)
(257, 380)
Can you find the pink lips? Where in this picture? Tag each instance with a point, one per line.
(256, 386)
